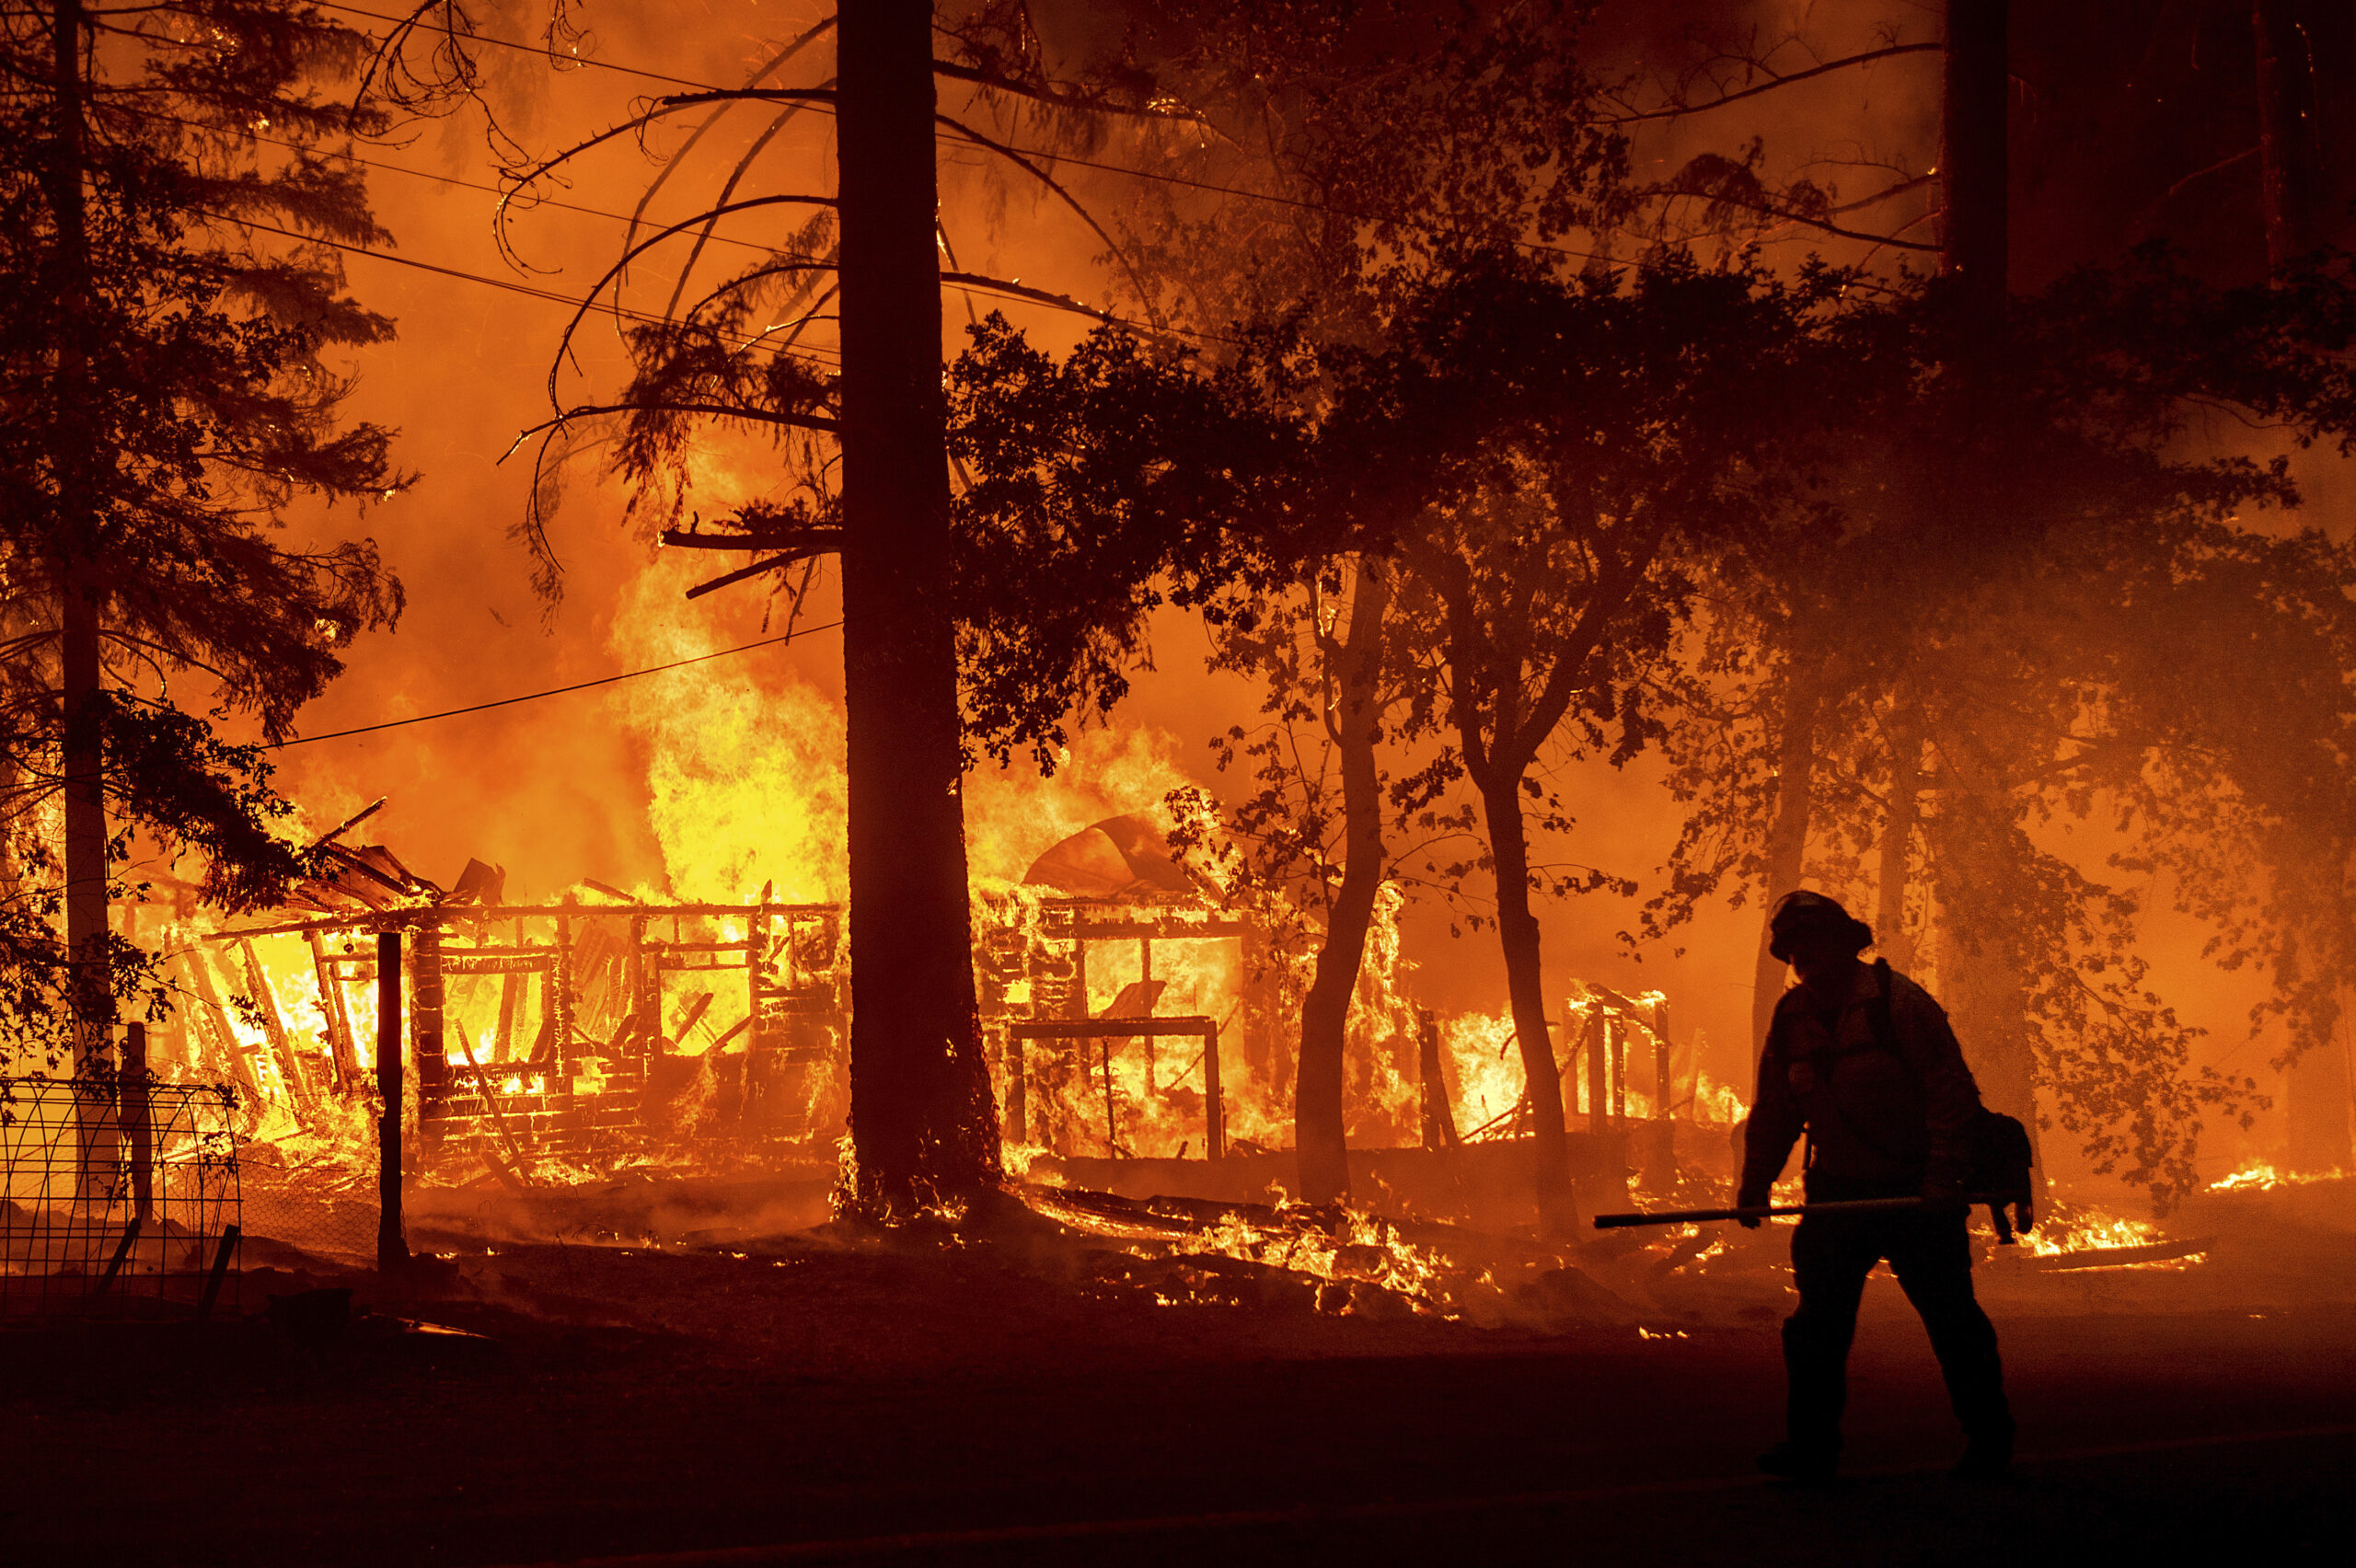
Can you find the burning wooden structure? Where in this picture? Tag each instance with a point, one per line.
(1074, 1077)
(593, 1034)
(1137, 1031)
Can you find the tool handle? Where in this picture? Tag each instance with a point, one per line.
(1773, 1211)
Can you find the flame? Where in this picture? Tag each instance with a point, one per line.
(2259, 1176)
(2069, 1229)
(1361, 1252)
(744, 771)
(1483, 1065)
(2072, 1229)
(747, 799)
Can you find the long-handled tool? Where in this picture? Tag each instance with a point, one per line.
(1780, 1211)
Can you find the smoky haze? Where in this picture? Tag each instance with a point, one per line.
(727, 772)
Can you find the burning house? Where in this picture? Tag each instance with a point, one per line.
(1138, 1030)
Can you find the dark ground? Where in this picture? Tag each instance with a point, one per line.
(819, 1399)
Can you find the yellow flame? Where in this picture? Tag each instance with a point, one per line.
(744, 769)
(2258, 1175)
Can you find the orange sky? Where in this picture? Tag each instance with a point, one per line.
(559, 789)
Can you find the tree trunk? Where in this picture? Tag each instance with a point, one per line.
(1318, 1123)
(2317, 1084)
(78, 657)
(1979, 979)
(1898, 822)
(1973, 167)
(1786, 847)
(2286, 139)
(1518, 937)
(923, 1130)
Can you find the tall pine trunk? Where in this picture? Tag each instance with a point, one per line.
(1319, 1127)
(2317, 1082)
(1974, 161)
(71, 465)
(1501, 789)
(1786, 847)
(2288, 155)
(1980, 978)
(922, 1128)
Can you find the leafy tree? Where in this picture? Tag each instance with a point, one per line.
(1553, 462)
(2073, 624)
(164, 337)
(1339, 153)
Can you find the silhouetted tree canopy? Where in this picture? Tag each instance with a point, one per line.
(164, 343)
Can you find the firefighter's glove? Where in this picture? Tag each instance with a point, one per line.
(1749, 1197)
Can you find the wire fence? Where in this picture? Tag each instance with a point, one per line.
(326, 1207)
(120, 1193)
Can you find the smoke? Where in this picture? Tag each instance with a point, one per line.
(712, 780)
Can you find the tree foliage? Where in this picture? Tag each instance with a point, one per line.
(2066, 602)
(168, 336)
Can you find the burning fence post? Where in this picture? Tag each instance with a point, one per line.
(1213, 1110)
(1615, 1036)
(392, 1249)
(134, 1117)
(559, 1001)
(1439, 1117)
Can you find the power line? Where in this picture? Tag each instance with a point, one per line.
(529, 291)
(1014, 292)
(441, 178)
(547, 54)
(553, 691)
(1298, 202)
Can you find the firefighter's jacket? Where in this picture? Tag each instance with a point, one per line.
(1875, 1117)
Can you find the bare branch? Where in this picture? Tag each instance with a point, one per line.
(815, 548)
(589, 300)
(1044, 178)
(819, 422)
(1024, 290)
(1676, 111)
(1080, 102)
